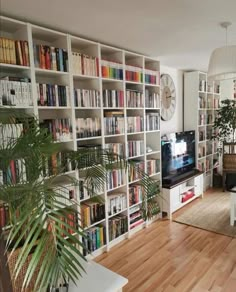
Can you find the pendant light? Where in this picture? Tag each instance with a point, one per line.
(222, 64)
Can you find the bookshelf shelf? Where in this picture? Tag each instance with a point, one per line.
(54, 107)
(89, 138)
(151, 85)
(137, 156)
(116, 188)
(134, 205)
(153, 152)
(12, 67)
(49, 73)
(87, 108)
(135, 133)
(112, 80)
(85, 77)
(106, 83)
(133, 82)
(94, 224)
(124, 210)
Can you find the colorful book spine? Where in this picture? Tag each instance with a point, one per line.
(50, 58)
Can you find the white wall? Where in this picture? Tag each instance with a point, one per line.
(226, 89)
(176, 122)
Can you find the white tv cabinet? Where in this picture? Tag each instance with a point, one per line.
(172, 195)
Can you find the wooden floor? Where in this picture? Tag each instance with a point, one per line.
(171, 257)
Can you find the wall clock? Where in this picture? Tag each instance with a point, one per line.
(168, 97)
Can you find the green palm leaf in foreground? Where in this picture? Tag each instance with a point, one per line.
(43, 222)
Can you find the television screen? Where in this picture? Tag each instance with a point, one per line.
(178, 153)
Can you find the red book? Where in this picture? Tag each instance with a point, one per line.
(47, 57)
(2, 216)
(22, 45)
(42, 57)
(13, 171)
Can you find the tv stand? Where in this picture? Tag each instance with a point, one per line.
(183, 191)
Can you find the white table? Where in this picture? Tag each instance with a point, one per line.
(98, 278)
(232, 206)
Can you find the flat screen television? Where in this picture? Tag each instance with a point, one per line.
(178, 154)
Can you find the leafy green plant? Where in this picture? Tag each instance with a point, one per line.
(225, 123)
(39, 211)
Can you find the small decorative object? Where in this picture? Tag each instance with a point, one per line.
(168, 97)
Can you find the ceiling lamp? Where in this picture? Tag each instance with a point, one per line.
(222, 64)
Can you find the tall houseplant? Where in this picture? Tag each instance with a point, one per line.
(225, 122)
(39, 221)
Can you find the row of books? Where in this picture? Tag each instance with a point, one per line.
(70, 219)
(113, 98)
(135, 148)
(118, 225)
(94, 239)
(202, 85)
(88, 127)
(4, 215)
(153, 166)
(205, 119)
(15, 52)
(116, 203)
(152, 121)
(86, 191)
(134, 98)
(9, 133)
(202, 102)
(135, 219)
(135, 170)
(208, 164)
(50, 58)
(117, 148)
(152, 99)
(133, 73)
(201, 135)
(152, 77)
(201, 151)
(85, 65)
(135, 124)
(66, 194)
(15, 91)
(135, 194)
(15, 173)
(115, 178)
(210, 103)
(214, 88)
(113, 70)
(91, 213)
(52, 95)
(114, 123)
(209, 148)
(87, 97)
(60, 129)
(59, 162)
(201, 166)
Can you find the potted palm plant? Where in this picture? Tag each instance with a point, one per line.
(44, 241)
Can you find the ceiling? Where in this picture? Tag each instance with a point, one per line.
(181, 33)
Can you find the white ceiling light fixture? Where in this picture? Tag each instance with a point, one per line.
(222, 64)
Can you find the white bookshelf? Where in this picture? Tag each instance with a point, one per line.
(201, 100)
(98, 79)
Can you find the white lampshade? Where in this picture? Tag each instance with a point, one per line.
(222, 64)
